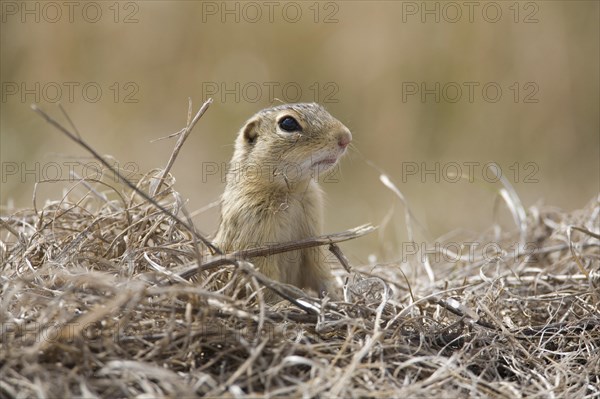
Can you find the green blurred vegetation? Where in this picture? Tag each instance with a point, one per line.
(359, 58)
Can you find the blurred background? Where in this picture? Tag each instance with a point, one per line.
(429, 89)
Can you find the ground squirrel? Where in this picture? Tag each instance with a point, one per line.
(272, 195)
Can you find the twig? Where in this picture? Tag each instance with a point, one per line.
(582, 325)
(184, 135)
(8, 227)
(219, 260)
(572, 248)
(132, 186)
(340, 257)
(69, 120)
(285, 291)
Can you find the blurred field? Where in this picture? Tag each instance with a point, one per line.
(363, 60)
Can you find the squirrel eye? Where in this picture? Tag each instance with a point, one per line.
(289, 124)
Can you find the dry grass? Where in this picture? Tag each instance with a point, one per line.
(94, 303)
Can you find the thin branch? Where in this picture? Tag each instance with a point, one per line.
(184, 135)
(337, 251)
(69, 119)
(219, 260)
(8, 227)
(572, 248)
(132, 186)
(285, 291)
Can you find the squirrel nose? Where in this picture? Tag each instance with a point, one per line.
(344, 138)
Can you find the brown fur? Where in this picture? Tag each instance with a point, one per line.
(272, 196)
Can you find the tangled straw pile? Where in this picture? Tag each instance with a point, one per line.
(94, 303)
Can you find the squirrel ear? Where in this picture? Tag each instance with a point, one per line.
(250, 131)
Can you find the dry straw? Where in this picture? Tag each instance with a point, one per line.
(102, 296)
